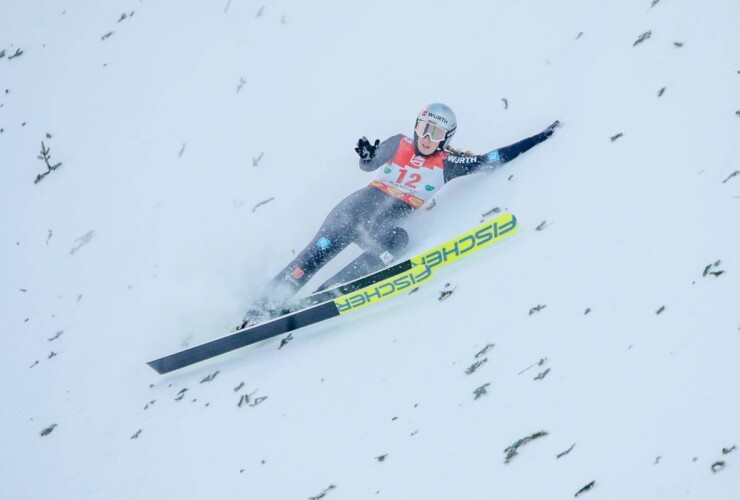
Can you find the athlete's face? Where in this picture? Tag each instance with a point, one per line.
(429, 135)
(426, 145)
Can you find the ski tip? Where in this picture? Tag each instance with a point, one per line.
(156, 366)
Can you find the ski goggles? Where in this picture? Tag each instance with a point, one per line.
(435, 132)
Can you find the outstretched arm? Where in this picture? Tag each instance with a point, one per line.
(373, 156)
(456, 165)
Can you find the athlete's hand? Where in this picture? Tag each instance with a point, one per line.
(551, 129)
(365, 150)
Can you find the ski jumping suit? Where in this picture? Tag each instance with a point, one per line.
(406, 181)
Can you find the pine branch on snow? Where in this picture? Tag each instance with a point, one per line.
(485, 350)
(481, 391)
(210, 377)
(542, 375)
(537, 308)
(471, 369)
(323, 493)
(262, 203)
(539, 363)
(642, 38)
(46, 156)
(562, 454)
(585, 488)
(718, 466)
(285, 341)
(48, 430)
(512, 451)
(736, 172)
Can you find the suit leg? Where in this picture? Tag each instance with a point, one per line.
(380, 250)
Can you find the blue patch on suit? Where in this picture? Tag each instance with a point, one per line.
(493, 157)
(323, 243)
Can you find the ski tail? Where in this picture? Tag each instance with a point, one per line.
(244, 337)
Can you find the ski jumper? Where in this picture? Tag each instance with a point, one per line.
(404, 182)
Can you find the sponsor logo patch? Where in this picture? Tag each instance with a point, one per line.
(465, 159)
(417, 161)
(439, 118)
(386, 257)
(478, 238)
(423, 265)
(298, 273)
(323, 243)
(387, 170)
(429, 188)
(414, 201)
(427, 113)
(386, 288)
(493, 156)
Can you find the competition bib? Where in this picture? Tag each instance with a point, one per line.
(409, 177)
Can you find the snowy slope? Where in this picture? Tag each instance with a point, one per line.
(150, 237)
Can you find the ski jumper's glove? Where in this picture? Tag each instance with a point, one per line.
(365, 150)
(551, 129)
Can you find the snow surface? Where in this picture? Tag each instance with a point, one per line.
(146, 240)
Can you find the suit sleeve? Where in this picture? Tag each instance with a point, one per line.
(456, 165)
(386, 151)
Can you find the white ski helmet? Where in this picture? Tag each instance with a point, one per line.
(431, 119)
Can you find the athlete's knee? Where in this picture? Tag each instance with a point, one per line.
(393, 239)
